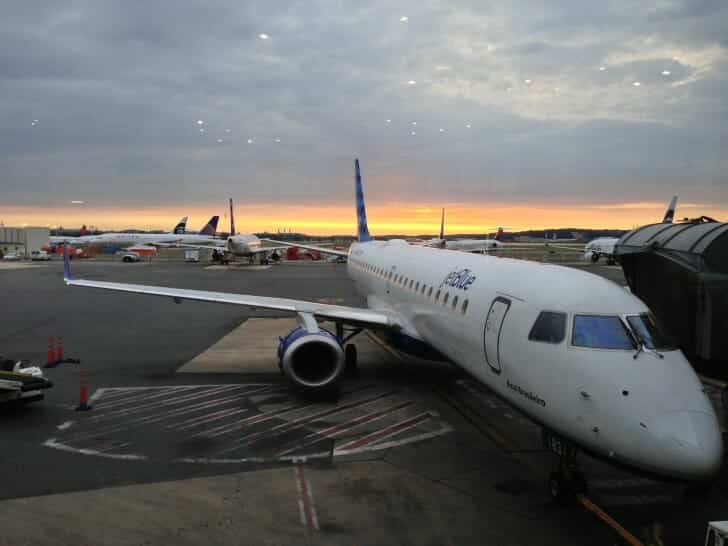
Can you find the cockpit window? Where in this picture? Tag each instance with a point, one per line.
(601, 332)
(550, 327)
(649, 333)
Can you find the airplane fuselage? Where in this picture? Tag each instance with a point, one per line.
(646, 411)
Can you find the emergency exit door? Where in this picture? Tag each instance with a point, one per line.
(492, 334)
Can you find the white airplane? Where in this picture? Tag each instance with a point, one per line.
(206, 236)
(82, 238)
(465, 245)
(604, 246)
(239, 245)
(575, 352)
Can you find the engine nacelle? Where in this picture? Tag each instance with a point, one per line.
(312, 360)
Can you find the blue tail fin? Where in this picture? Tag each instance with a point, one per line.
(211, 227)
(361, 211)
(181, 226)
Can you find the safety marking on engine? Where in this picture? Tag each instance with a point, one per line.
(245, 423)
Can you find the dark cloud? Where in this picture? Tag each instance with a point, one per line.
(117, 88)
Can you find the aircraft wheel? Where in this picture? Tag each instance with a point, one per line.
(595, 257)
(350, 356)
(561, 489)
(611, 261)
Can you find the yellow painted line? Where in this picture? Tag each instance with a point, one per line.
(376, 339)
(714, 382)
(628, 537)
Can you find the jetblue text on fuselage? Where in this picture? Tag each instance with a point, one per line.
(460, 279)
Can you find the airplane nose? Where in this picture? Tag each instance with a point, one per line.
(692, 442)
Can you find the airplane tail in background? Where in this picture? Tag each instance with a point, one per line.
(361, 212)
(210, 228)
(181, 226)
(232, 218)
(499, 234)
(670, 212)
(82, 231)
(442, 226)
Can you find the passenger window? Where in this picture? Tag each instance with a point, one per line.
(465, 307)
(600, 332)
(550, 327)
(417, 286)
(454, 302)
(429, 292)
(411, 283)
(437, 296)
(447, 297)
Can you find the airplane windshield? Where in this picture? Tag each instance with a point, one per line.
(601, 332)
(649, 333)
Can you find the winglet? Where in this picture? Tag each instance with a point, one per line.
(361, 211)
(670, 212)
(66, 265)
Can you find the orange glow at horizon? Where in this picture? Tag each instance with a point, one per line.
(391, 218)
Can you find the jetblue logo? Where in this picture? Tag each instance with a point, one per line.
(460, 279)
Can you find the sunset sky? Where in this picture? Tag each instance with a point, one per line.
(515, 114)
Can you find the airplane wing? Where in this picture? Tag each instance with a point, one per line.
(348, 315)
(258, 250)
(340, 313)
(321, 249)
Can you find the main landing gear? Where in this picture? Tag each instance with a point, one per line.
(567, 481)
(350, 352)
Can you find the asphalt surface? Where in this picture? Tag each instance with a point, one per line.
(481, 480)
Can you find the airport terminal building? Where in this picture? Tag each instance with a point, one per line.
(23, 240)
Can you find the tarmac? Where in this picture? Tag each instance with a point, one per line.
(195, 436)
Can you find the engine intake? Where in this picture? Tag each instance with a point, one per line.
(312, 360)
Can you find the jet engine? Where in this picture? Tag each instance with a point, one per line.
(311, 359)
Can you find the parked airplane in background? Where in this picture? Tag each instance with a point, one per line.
(206, 236)
(604, 246)
(244, 245)
(83, 239)
(575, 352)
(465, 245)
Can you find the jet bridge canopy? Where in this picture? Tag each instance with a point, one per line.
(681, 272)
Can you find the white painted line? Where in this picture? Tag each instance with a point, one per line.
(65, 425)
(341, 428)
(63, 447)
(157, 417)
(173, 402)
(98, 393)
(209, 418)
(387, 432)
(304, 420)
(140, 396)
(395, 443)
(306, 506)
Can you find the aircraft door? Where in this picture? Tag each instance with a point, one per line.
(492, 334)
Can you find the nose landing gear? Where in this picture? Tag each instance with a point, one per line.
(568, 480)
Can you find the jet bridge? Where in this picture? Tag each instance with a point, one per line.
(681, 272)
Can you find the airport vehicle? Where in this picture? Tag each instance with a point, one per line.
(336, 259)
(575, 352)
(717, 534)
(192, 255)
(12, 256)
(604, 246)
(465, 245)
(129, 257)
(40, 255)
(20, 383)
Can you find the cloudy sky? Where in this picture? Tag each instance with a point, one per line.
(524, 113)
